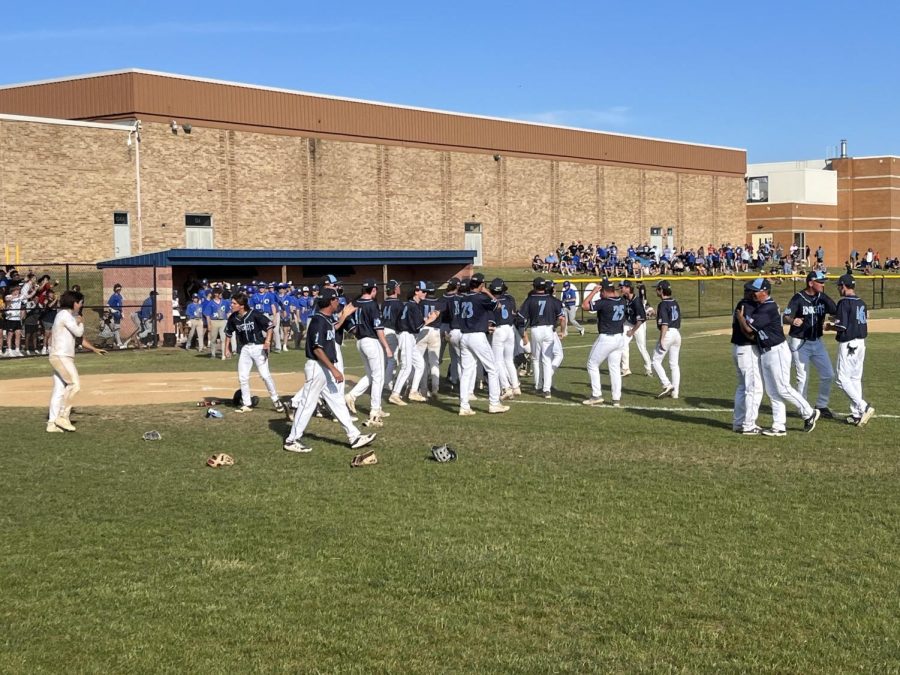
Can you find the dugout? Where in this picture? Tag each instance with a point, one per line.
(176, 269)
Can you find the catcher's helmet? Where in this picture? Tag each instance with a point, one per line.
(238, 400)
(443, 453)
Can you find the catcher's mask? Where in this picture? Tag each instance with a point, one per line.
(220, 459)
(238, 400)
(152, 436)
(443, 453)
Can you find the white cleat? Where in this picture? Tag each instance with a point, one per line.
(593, 400)
(64, 424)
(496, 408)
(417, 397)
(466, 412)
(296, 446)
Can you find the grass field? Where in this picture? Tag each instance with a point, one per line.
(563, 539)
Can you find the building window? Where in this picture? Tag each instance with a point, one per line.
(198, 230)
(758, 189)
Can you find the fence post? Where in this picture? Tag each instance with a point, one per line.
(68, 285)
(698, 299)
(154, 310)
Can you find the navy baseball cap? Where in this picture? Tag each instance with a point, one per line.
(464, 284)
(663, 285)
(538, 282)
(548, 284)
(430, 287)
(816, 276)
(392, 285)
(329, 279)
(326, 297)
(758, 284)
(607, 285)
(847, 281)
(497, 285)
(625, 283)
(567, 283)
(453, 284)
(477, 279)
(369, 284)
(420, 286)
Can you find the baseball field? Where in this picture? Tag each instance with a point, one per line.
(564, 538)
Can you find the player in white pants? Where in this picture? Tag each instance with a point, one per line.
(541, 312)
(323, 379)
(635, 328)
(610, 342)
(749, 391)
(476, 312)
(763, 322)
(851, 324)
(668, 319)
(503, 340)
(254, 337)
(373, 346)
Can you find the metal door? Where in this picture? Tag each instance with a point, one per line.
(473, 240)
(121, 235)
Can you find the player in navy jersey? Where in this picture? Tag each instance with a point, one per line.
(540, 313)
(635, 327)
(668, 320)
(412, 365)
(450, 327)
(373, 347)
(610, 342)
(749, 392)
(851, 319)
(323, 377)
(254, 339)
(764, 325)
(504, 338)
(391, 311)
(805, 314)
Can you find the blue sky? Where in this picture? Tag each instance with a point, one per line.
(784, 80)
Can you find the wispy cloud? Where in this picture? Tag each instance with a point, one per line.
(614, 116)
(159, 30)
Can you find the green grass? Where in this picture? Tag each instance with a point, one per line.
(564, 538)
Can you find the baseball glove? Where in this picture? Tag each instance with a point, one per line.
(366, 458)
(220, 459)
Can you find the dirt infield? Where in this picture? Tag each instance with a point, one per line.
(875, 326)
(142, 388)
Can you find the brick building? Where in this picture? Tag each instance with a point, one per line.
(842, 204)
(224, 165)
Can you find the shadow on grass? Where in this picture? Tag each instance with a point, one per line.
(700, 401)
(671, 416)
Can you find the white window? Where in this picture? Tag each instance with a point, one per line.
(198, 230)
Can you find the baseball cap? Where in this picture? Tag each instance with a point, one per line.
(430, 287)
(464, 284)
(816, 276)
(392, 285)
(496, 285)
(626, 283)
(305, 289)
(329, 279)
(453, 284)
(847, 280)
(758, 284)
(369, 284)
(607, 285)
(420, 286)
(548, 284)
(663, 285)
(538, 282)
(477, 278)
(566, 284)
(326, 297)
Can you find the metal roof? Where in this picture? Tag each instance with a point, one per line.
(198, 257)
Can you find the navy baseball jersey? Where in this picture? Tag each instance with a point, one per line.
(411, 319)
(250, 329)
(738, 337)
(453, 310)
(430, 305)
(851, 319)
(368, 318)
(321, 334)
(765, 320)
(610, 315)
(812, 309)
(634, 310)
(668, 313)
(505, 310)
(390, 312)
(540, 310)
(475, 312)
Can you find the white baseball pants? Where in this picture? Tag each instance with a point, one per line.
(503, 345)
(749, 392)
(373, 359)
(65, 385)
(671, 346)
(454, 340)
(775, 365)
(640, 339)
(607, 348)
(474, 349)
(390, 364)
(850, 372)
(542, 352)
(812, 352)
(412, 365)
(254, 354)
(428, 343)
(319, 382)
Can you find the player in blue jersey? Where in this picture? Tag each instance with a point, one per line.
(610, 342)
(851, 319)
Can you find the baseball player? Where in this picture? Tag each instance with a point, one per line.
(476, 309)
(556, 357)
(635, 328)
(67, 327)
(805, 314)
(851, 325)
(215, 309)
(503, 340)
(253, 329)
(194, 314)
(390, 318)
(668, 320)
(453, 297)
(540, 312)
(412, 365)
(373, 347)
(428, 342)
(764, 324)
(749, 392)
(570, 304)
(323, 376)
(115, 304)
(609, 345)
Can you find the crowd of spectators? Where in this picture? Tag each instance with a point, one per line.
(27, 309)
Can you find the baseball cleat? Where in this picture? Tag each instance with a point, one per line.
(466, 412)
(278, 405)
(581, 332)
(507, 394)
(396, 400)
(593, 400)
(547, 394)
(667, 391)
(826, 413)
(626, 373)
(379, 412)
(616, 404)
(498, 408)
(648, 373)
(296, 446)
(774, 432)
(244, 409)
(416, 396)
(517, 391)
(53, 429)
(473, 397)
(350, 399)
(867, 415)
(361, 441)
(850, 420)
(755, 431)
(810, 422)
(64, 424)
(737, 430)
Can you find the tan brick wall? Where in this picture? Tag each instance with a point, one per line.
(270, 191)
